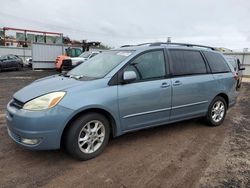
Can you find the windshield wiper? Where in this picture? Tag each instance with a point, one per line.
(64, 74)
(76, 77)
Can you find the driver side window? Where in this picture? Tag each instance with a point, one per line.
(150, 65)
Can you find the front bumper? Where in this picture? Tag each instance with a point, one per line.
(47, 126)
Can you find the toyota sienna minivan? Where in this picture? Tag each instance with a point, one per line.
(118, 91)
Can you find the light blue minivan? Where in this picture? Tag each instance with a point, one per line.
(118, 91)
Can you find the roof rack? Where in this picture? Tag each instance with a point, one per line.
(181, 44)
(131, 45)
(171, 43)
(127, 45)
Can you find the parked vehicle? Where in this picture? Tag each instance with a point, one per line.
(28, 62)
(11, 62)
(119, 91)
(235, 62)
(69, 52)
(69, 63)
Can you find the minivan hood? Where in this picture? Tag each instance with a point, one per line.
(44, 86)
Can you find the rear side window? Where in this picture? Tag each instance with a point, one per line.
(187, 62)
(216, 62)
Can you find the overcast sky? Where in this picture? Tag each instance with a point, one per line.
(116, 22)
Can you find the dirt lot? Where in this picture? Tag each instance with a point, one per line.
(186, 154)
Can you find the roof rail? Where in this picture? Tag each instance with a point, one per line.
(182, 44)
(172, 43)
(126, 45)
(130, 45)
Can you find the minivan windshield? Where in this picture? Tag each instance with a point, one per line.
(99, 65)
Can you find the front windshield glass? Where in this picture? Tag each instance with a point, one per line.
(85, 54)
(100, 65)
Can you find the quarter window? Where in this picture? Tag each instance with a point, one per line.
(216, 62)
(149, 65)
(185, 62)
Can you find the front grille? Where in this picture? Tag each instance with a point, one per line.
(14, 136)
(17, 104)
(67, 62)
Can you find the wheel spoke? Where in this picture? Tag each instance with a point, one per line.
(222, 107)
(83, 143)
(88, 148)
(217, 106)
(92, 146)
(100, 135)
(83, 139)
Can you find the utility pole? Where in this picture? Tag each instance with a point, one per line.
(169, 40)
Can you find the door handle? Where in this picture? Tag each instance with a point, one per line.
(177, 83)
(165, 84)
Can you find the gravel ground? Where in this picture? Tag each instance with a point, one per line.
(185, 154)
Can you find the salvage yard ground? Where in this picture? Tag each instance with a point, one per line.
(185, 154)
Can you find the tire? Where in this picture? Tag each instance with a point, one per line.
(80, 140)
(217, 111)
(19, 67)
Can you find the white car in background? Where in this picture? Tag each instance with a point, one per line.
(69, 63)
(237, 69)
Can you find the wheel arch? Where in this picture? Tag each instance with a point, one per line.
(107, 114)
(225, 97)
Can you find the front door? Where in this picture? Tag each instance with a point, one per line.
(147, 101)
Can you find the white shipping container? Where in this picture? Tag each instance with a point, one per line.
(44, 55)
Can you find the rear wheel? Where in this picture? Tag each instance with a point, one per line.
(217, 111)
(87, 136)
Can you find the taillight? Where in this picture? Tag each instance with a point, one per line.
(235, 75)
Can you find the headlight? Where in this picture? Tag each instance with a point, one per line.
(44, 102)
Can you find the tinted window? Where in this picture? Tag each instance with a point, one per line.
(3, 57)
(187, 62)
(232, 62)
(78, 52)
(148, 65)
(216, 62)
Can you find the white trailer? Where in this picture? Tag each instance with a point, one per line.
(244, 58)
(44, 55)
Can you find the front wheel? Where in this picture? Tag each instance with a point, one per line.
(19, 67)
(87, 136)
(217, 111)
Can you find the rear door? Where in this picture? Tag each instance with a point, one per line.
(147, 101)
(13, 61)
(192, 84)
(9, 62)
(225, 83)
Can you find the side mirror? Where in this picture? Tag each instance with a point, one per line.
(242, 68)
(129, 76)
